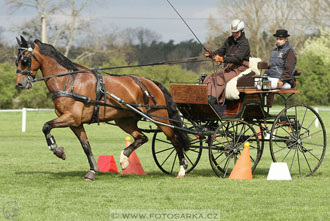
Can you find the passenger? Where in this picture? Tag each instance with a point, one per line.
(282, 62)
(234, 53)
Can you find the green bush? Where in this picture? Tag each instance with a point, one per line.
(314, 62)
(7, 85)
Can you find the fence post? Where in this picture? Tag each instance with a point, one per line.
(23, 120)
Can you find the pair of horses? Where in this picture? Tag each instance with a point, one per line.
(73, 91)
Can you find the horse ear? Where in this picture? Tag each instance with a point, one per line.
(18, 41)
(24, 42)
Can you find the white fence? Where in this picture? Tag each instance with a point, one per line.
(24, 110)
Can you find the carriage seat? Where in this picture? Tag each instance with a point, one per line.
(244, 79)
(263, 65)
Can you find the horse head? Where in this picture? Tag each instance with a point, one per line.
(27, 63)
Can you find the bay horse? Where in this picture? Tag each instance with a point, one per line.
(112, 95)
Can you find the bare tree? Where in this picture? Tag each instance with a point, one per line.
(44, 8)
(75, 12)
(263, 17)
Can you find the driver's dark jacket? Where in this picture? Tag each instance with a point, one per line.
(234, 51)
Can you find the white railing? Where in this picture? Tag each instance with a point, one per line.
(24, 110)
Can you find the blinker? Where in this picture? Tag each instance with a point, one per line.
(25, 61)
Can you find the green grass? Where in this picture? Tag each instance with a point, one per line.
(47, 188)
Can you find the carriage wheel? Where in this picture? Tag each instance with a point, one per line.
(302, 133)
(227, 144)
(165, 155)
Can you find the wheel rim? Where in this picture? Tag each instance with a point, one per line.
(227, 144)
(303, 144)
(165, 155)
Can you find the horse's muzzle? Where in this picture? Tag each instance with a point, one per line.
(25, 84)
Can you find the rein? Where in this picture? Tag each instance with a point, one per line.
(180, 61)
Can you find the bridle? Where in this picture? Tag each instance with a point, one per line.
(26, 61)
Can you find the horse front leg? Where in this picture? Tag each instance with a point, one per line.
(81, 135)
(65, 120)
(58, 151)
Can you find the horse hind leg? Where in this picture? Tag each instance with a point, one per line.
(176, 141)
(129, 125)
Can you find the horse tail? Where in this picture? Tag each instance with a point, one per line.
(175, 119)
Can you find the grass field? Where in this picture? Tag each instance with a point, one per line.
(42, 187)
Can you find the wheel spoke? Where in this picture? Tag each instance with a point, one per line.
(298, 161)
(219, 156)
(310, 152)
(187, 157)
(314, 144)
(294, 155)
(280, 149)
(173, 163)
(309, 135)
(285, 130)
(227, 165)
(165, 150)
(310, 169)
(286, 155)
(167, 157)
(303, 120)
(193, 150)
(164, 141)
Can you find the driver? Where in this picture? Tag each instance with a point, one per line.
(234, 53)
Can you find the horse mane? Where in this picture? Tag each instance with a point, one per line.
(49, 50)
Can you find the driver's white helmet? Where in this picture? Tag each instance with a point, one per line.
(236, 25)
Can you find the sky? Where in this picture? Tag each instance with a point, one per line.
(155, 15)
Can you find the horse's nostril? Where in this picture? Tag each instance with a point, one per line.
(19, 85)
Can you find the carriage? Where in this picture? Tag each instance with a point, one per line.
(83, 95)
(296, 135)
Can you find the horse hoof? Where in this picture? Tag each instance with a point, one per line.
(182, 172)
(90, 176)
(124, 162)
(59, 152)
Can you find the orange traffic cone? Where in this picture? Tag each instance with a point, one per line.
(135, 166)
(106, 163)
(242, 169)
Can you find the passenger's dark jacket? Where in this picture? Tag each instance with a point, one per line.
(234, 51)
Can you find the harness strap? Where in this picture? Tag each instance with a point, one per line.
(88, 100)
(145, 90)
(100, 91)
(82, 98)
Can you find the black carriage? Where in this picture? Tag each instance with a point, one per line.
(296, 135)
